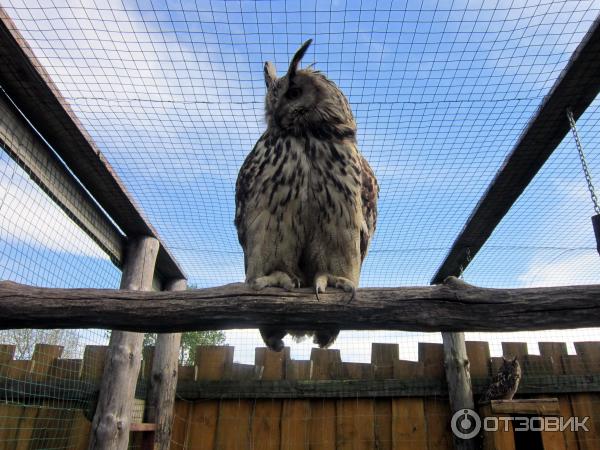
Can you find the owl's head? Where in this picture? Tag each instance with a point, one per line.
(305, 101)
(511, 367)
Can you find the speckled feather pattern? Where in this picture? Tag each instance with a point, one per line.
(306, 199)
(505, 383)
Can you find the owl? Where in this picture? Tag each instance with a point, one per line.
(306, 199)
(505, 383)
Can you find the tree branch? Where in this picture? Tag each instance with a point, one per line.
(454, 306)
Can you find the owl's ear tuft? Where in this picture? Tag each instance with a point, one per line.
(297, 58)
(270, 74)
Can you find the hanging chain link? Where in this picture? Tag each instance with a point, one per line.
(584, 166)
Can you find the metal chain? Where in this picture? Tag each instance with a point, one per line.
(584, 166)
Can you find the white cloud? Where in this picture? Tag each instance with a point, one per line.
(28, 215)
(579, 267)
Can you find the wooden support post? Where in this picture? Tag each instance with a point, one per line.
(163, 382)
(111, 424)
(460, 392)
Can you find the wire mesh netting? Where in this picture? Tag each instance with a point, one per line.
(173, 92)
(173, 95)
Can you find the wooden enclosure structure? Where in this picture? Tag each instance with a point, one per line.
(31, 106)
(322, 403)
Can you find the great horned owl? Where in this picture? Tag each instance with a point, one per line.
(306, 199)
(505, 383)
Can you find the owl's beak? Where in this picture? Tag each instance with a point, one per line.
(297, 58)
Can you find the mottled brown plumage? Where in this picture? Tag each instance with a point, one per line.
(505, 383)
(306, 199)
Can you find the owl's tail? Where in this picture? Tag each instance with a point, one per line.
(273, 337)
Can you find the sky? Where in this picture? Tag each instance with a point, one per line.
(172, 92)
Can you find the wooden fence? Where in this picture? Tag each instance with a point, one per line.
(281, 403)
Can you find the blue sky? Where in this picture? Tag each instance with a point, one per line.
(172, 92)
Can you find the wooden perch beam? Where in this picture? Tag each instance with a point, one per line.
(453, 306)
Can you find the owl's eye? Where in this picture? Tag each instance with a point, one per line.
(293, 93)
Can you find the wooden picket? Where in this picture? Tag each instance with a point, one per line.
(400, 404)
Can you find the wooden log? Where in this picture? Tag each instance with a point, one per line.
(449, 307)
(110, 427)
(458, 377)
(163, 381)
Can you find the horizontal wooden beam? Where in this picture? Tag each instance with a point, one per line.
(453, 306)
(142, 427)
(28, 150)
(28, 84)
(576, 88)
(534, 407)
(80, 392)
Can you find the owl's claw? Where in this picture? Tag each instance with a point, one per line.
(352, 296)
(275, 279)
(320, 285)
(323, 280)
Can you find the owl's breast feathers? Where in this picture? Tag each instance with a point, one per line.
(308, 179)
(503, 385)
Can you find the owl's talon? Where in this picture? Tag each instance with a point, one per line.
(320, 285)
(352, 296)
(323, 280)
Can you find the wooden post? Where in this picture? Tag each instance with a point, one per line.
(110, 427)
(163, 381)
(458, 376)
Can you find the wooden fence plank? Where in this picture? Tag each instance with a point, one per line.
(501, 439)
(383, 357)
(478, 354)
(182, 413)
(295, 415)
(437, 409)
(8, 415)
(588, 404)
(355, 424)
(408, 414)
(357, 371)
(92, 368)
(233, 426)
(327, 365)
(214, 363)
(51, 424)
(567, 440)
(266, 417)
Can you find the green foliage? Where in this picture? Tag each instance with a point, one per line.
(189, 341)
